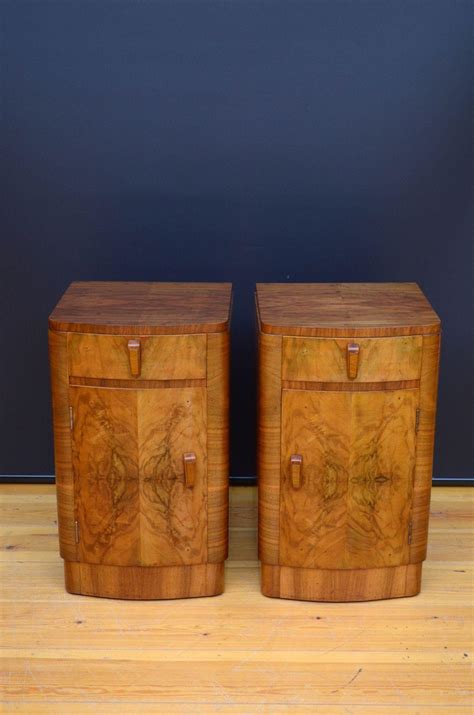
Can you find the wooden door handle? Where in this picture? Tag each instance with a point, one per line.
(135, 358)
(189, 459)
(296, 464)
(352, 356)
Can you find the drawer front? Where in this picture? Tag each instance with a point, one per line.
(158, 357)
(346, 360)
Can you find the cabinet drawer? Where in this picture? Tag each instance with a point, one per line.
(158, 357)
(357, 360)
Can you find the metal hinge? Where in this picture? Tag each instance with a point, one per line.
(76, 532)
(417, 419)
(71, 418)
(410, 532)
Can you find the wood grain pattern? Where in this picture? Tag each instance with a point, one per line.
(334, 585)
(425, 446)
(173, 517)
(218, 347)
(131, 582)
(381, 468)
(349, 386)
(163, 357)
(133, 507)
(313, 519)
(134, 384)
(105, 462)
(269, 417)
(62, 443)
(64, 654)
(358, 452)
(345, 309)
(325, 360)
(132, 308)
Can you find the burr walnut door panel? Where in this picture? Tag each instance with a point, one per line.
(133, 502)
(348, 461)
(172, 424)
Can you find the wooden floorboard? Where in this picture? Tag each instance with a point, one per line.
(235, 653)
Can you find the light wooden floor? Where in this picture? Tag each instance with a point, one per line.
(239, 652)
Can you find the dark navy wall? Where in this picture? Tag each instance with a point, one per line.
(236, 141)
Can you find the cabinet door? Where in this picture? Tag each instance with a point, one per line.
(173, 516)
(131, 501)
(348, 461)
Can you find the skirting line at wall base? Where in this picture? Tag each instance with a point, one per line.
(234, 481)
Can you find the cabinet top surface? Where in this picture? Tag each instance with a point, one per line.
(332, 309)
(143, 308)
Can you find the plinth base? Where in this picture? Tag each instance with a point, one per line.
(144, 582)
(341, 585)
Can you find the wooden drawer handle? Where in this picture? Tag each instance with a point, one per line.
(296, 464)
(352, 360)
(189, 459)
(134, 355)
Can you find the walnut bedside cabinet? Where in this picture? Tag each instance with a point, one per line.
(140, 406)
(347, 401)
